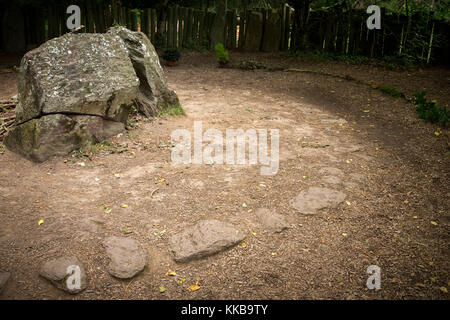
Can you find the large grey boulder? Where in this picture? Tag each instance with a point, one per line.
(62, 273)
(88, 74)
(204, 239)
(153, 95)
(78, 89)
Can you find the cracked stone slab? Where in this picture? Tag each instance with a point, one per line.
(58, 271)
(273, 221)
(331, 180)
(127, 257)
(206, 238)
(331, 171)
(316, 198)
(4, 277)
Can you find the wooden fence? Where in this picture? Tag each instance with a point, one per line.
(256, 30)
(249, 30)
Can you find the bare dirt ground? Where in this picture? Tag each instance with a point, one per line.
(396, 214)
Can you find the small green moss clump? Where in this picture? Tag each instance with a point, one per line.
(174, 110)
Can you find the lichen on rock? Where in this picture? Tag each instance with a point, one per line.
(78, 89)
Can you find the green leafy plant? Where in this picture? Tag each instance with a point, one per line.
(222, 54)
(171, 55)
(430, 111)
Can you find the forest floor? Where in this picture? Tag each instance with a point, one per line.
(396, 214)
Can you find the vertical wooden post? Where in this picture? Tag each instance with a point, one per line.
(283, 23)
(188, 26)
(146, 17)
(114, 12)
(40, 27)
(195, 27)
(153, 24)
(170, 27)
(108, 13)
(202, 35)
(287, 27)
(242, 27)
(133, 22)
(175, 26)
(233, 28)
(181, 27)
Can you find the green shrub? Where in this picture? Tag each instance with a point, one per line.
(430, 111)
(222, 54)
(171, 55)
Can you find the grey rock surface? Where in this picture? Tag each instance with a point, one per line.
(57, 272)
(206, 238)
(153, 95)
(78, 89)
(311, 200)
(89, 74)
(4, 277)
(127, 257)
(58, 134)
(272, 221)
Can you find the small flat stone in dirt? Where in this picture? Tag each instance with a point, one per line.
(315, 198)
(272, 221)
(358, 176)
(4, 277)
(57, 271)
(350, 148)
(206, 238)
(350, 185)
(331, 171)
(333, 121)
(331, 180)
(127, 257)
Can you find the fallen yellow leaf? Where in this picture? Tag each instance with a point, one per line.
(444, 289)
(434, 223)
(171, 273)
(194, 287)
(40, 222)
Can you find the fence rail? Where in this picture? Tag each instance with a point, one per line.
(250, 30)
